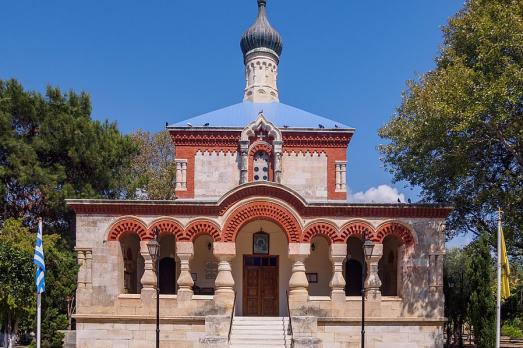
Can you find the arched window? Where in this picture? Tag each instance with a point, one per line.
(168, 270)
(261, 166)
(133, 263)
(388, 266)
(353, 267)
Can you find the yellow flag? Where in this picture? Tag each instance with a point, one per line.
(505, 268)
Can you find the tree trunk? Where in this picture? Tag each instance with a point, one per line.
(10, 331)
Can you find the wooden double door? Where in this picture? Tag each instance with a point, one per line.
(260, 285)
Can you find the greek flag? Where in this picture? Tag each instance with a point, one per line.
(38, 260)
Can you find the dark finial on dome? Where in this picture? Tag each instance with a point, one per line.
(261, 36)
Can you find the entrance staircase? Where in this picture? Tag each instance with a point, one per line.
(254, 332)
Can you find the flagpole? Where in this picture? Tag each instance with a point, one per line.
(38, 305)
(498, 299)
(38, 318)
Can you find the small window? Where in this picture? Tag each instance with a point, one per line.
(261, 166)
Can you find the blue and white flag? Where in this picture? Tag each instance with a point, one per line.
(38, 260)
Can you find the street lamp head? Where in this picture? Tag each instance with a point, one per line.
(368, 246)
(154, 248)
(154, 245)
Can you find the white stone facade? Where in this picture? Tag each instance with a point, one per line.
(215, 173)
(306, 173)
(107, 316)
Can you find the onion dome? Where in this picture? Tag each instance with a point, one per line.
(261, 36)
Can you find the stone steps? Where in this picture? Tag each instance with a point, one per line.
(254, 332)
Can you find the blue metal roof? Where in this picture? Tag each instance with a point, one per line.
(241, 114)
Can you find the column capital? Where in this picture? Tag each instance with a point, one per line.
(225, 251)
(299, 251)
(184, 248)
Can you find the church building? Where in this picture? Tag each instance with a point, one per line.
(261, 246)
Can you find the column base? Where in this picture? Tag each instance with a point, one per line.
(338, 297)
(184, 295)
(224, 297)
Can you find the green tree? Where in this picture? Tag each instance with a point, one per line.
(153, 168)
(51, 149)
(60, 276)
(17, 289)
(458, 133)
(482, 305)
(456, 272)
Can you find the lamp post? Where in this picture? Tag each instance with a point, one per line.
(368, 246)
(154, 250)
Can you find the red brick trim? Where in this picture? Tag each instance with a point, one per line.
(167, 226)
(260, 146)
(323, 228)
(316, 140)
(202, 226)
(127, 224)
(262, 210)
(394, 229)
(357, 229)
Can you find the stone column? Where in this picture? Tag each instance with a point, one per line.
(344, 177)
(80, 279)
(337, 283)
(224, 283)
(277, 161)
(244, 158)
(372, 281)
(338, 177)
(178, 175)
(184, 175)
(149, 276)
(298, 283)
(184, 251)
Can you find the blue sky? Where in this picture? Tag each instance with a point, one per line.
(147, 63)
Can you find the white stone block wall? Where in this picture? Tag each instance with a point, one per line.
(306, 173)
(215, 173)
(393, 335)
(138, 334)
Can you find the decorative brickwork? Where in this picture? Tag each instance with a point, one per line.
(261, 189)
(205, 138)
(260, 146)
(128, 224)
(316, 140)
(167, 226)
(323, 228)
(357, 229)
(261, 210)
(199, 227)
(394, 229)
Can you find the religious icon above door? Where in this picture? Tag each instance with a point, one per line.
(260, 243)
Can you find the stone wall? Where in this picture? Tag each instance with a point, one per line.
(139, 334)
(215, 173)
(347, 334)
(306, 173)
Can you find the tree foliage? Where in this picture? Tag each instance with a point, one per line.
(153, 168)
(60, 278)
(482, 305)
(51, 149)
(458, 133)
(469, 289)
(17, 298)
